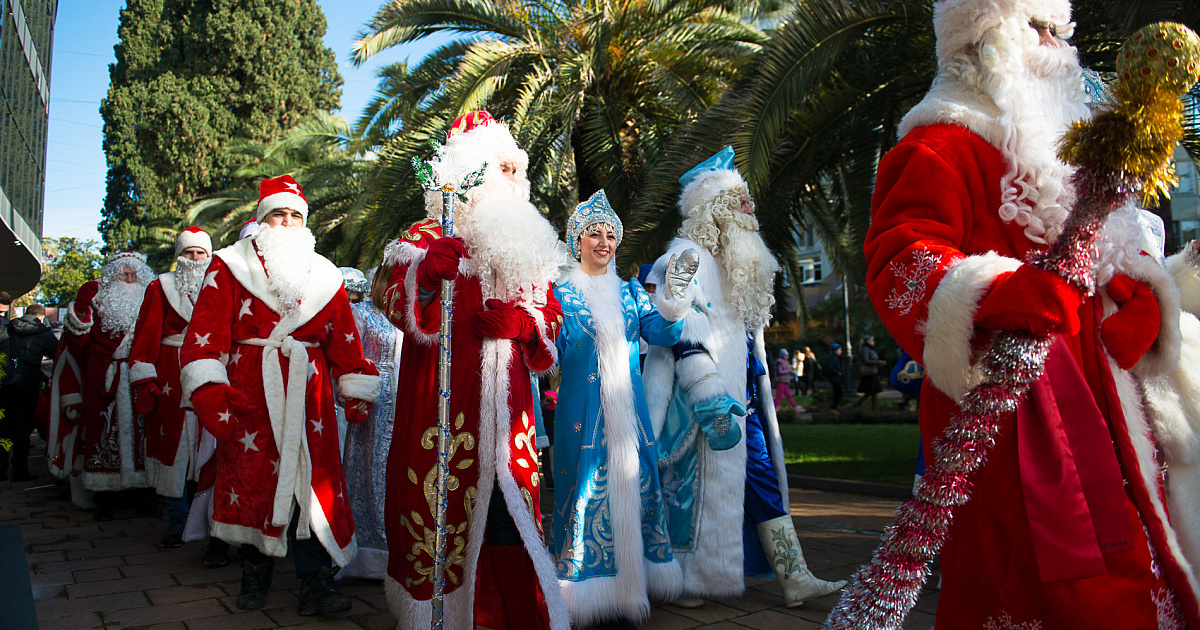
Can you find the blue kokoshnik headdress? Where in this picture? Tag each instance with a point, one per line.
(595, 210)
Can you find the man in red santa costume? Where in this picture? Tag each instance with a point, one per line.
(270, 335)
(502, 261)
(1067, 525)
(95, 434)
(172, 434)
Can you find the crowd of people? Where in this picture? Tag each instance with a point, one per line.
(277, 402)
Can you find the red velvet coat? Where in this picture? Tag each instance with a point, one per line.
(107, 437)
(171, 432)
(283, 450)
(1053, 536)
(493, 442)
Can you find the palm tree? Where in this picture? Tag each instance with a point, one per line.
(819, 106)
(329, 162)
(592, 89)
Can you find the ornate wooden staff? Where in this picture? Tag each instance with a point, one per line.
(1122, 152)
(452, 181)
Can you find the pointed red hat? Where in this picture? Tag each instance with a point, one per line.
(193, 237)
(280, 192)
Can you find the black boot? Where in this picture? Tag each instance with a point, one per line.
(318, 595)
(256, 579)
(173, 539)
(217, 554)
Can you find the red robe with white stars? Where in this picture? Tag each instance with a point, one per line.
(1066, 526)
(492, 442)
(104, 445)
(282, 451)
(172, 433)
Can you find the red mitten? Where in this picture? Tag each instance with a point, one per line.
(504, 321)
(440, 263)
(1131, 331)
(217, 406)
(353, 415)
(1032, 300)
(145, 395)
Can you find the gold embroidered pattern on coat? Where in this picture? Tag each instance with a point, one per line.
(429, 228)
(455, 542)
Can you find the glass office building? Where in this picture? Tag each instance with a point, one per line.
(26, 33)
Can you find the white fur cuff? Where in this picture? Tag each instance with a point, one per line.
(698, 376)
(74, 324)
(670, 308)
(951, 322)
(364, 387)
(201, 372)
(141, 371)
(66, 400)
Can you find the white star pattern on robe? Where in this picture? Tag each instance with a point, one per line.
(223, 416)
(202, 340)
(312, 369)
(233, 498)
(349, 337)
(210, 280)
(224, 359)
(248, 441)
(245, 308)
(275, 463)
(328, 327)
(233, 358)
(166, 390)
(317, 426)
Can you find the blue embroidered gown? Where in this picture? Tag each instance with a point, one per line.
(607, 498)
(367, 444)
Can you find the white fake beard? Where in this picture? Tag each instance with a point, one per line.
(1040, 92)
(189, 275)
(118, 303)
(513, 248)
(749, 269)
(287, 256)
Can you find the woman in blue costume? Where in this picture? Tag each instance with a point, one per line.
(367, 442)
(609, 533)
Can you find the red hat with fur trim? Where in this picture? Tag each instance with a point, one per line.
(193, 237)
(280, 192)
(249, 228)
(470, 122)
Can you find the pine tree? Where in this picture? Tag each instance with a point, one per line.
(191, 77)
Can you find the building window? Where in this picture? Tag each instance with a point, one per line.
(811, 268)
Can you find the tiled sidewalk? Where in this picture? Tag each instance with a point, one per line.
(112, 575)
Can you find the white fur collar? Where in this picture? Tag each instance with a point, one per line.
(323, 283)
(175, 297)
(950, 100)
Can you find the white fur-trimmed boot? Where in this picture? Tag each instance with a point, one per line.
(782, 546)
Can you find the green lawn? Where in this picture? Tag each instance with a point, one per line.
(882, 453)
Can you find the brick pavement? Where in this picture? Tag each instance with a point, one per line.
(112, 575)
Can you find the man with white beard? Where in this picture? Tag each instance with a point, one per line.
(172, 434)
(271, 333)
(506, 319)
(1066, 526)
(727, 497)
(95, 435)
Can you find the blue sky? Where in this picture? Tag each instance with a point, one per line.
(84, 36)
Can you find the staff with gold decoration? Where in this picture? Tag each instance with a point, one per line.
(1122, 153)
(443, 175)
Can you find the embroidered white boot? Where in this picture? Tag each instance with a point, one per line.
(782, 546)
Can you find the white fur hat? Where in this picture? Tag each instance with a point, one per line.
(193, 237)
(960, 24)
(705, 187)
(476, 138)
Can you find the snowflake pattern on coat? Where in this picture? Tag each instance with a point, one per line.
(914, 276)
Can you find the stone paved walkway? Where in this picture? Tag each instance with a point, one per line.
(112, 575)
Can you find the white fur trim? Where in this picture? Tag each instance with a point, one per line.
(1145, 468)
(174, 297)
(364, 387)
(200, 372)
(275, 547)
(141, 371)
(770, 421)
(1173, 401)
(320, 528)
(74, 324)
(951, 322)
(705, 187)
(58, 404)
(324, 281)
(192, 238)
(670, 308)
(698, 375)
(951, 101)
(412, 299)
(958, 24)
(121, 408)
(279, 200)
(1186, 279)
(368, 563)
